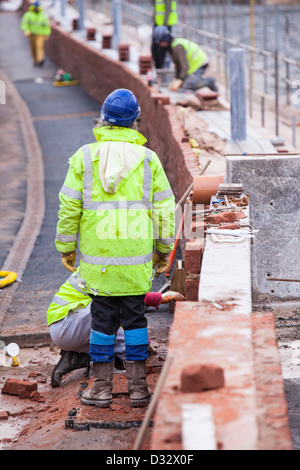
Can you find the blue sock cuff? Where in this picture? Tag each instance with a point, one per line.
(96, 337)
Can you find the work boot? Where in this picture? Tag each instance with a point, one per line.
(68, 362)
(139, 392)
(101, 392)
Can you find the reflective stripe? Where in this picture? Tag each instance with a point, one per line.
(113, 205)
(162, 195)
(59, 301)
(116, 261)
(88, 175)
(73, 193)
(147, 175)
(66, 238)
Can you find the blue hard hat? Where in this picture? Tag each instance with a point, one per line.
(161, 33)
(120, 108)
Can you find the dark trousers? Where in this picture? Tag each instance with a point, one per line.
(108, 313)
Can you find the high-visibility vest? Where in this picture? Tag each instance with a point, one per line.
(117, 229)
(36, 23)
(160, 11)
(196, 56)
(69, 297)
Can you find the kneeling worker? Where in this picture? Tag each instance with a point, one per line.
(117, 197)
(69, 320)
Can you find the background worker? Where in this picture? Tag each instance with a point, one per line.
(36, 26)
(69, 320)
(117, 196)
(189, 59)
(165, 13)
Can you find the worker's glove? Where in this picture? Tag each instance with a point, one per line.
(170, 295)
(175, 84)
(161, 261)
(27, 33)
(68, 260)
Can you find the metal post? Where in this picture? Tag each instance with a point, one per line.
(224, 11)
(62, 8)
(294, 131)
(250, 90)
(263, 111)
(287, 54)
(276, 93)
(265, 43)
(81, 8)
(252, 39)
(237, 94)
(117, 22)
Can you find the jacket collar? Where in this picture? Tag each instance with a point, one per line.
(125, 134)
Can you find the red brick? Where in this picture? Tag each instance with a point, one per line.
(23, 388)
(222, 217)
(206, 94)
(229, 226)
(193, 256)
(3, 415)
(198, 377)
(191, 289)
(164, 99)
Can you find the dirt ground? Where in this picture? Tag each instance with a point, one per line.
(41, 425)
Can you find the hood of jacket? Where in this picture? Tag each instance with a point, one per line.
(119, 155)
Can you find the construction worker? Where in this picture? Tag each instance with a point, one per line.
(165, 13)
(36, 26)
(189, 59)
(117, 196)
(69, 320)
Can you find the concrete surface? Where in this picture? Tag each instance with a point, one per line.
(273, 183)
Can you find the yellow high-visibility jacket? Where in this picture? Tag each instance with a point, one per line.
(160, 13)
(117, 197)
(36, 23)
(196, 57)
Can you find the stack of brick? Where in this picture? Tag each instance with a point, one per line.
(193, 259)
(106, 41)
(123, 52)
(145, 63)
(91, 34)
(75, 25)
